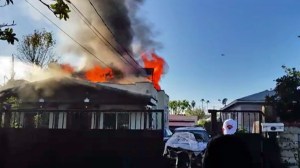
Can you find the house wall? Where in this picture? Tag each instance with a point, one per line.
(163, 104)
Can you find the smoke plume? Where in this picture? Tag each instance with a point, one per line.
(122, 34)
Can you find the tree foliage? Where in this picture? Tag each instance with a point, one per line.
(224, 101)
(179, 106)
(195, 112)
(8, 35)
(37, 48)
(286, 100)
(59, 8)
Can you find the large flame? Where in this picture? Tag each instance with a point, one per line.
(104, 74)
(99, 74)
(157, 64)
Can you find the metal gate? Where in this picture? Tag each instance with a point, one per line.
(248, 121)
(265, 152)
(81, 138)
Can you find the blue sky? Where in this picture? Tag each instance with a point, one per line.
(256, 37)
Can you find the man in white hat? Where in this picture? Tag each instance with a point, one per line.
(227, 150)
(229, 127)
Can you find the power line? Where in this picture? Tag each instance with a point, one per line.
(112, 33)
(66, 33)
(86, 21)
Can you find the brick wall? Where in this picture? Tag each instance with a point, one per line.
(289, 146)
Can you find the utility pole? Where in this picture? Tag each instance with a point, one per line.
(4, 79)
(12, 76)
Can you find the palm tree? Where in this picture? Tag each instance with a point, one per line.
(202, 100)
(207, 101)
(185, 105)
(193, 104)
(224, 101)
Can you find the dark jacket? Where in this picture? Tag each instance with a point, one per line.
(227, 151)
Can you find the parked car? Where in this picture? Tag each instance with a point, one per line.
(186, 146)
(167, 134)
(199, 132)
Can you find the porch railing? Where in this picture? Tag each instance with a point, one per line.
(83, 119)
(248, 121)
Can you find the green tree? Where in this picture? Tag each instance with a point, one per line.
(37, 48)
(196, 112)
(184, 105)
(202, 101)
(173, 106)
(179, 106)
(59, 8)
(286, 100)
(207, 102)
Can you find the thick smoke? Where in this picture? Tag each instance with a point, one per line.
(128, 33)
(116, 15)
(143, 39)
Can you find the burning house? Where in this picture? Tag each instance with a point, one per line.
(71, 94)
(59, 109)
(108, 107)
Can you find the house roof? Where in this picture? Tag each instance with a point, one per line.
(182, 118)
(71, 90)
(257, 98)
(181, 124)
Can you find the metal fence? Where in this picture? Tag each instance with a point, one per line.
(83, 119)
(248, 121)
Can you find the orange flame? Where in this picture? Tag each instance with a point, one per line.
(67, 68)
(99, 74)
(157, 64)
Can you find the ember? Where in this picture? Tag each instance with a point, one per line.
(158, 64)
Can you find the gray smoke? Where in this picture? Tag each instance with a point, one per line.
(143, 31)
(115, 15)
(128, 33)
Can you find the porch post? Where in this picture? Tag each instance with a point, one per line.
(213, 119)
(259, 123)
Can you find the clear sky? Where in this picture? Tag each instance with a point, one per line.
(256, 38)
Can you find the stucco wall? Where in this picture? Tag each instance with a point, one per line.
(289, 146)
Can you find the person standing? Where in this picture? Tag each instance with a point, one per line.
(227, 150)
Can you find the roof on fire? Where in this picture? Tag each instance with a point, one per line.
(71, 90)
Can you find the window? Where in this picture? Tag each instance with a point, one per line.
(109, 121)
(116, 121)
(123, 121)
(57, 120)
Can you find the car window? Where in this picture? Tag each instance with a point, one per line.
(168, 133)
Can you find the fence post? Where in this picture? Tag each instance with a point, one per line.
(213, 117)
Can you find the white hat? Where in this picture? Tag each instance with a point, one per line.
(229, 127)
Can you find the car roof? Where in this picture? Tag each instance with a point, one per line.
(190, 129)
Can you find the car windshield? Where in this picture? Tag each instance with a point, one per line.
(200, 135)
